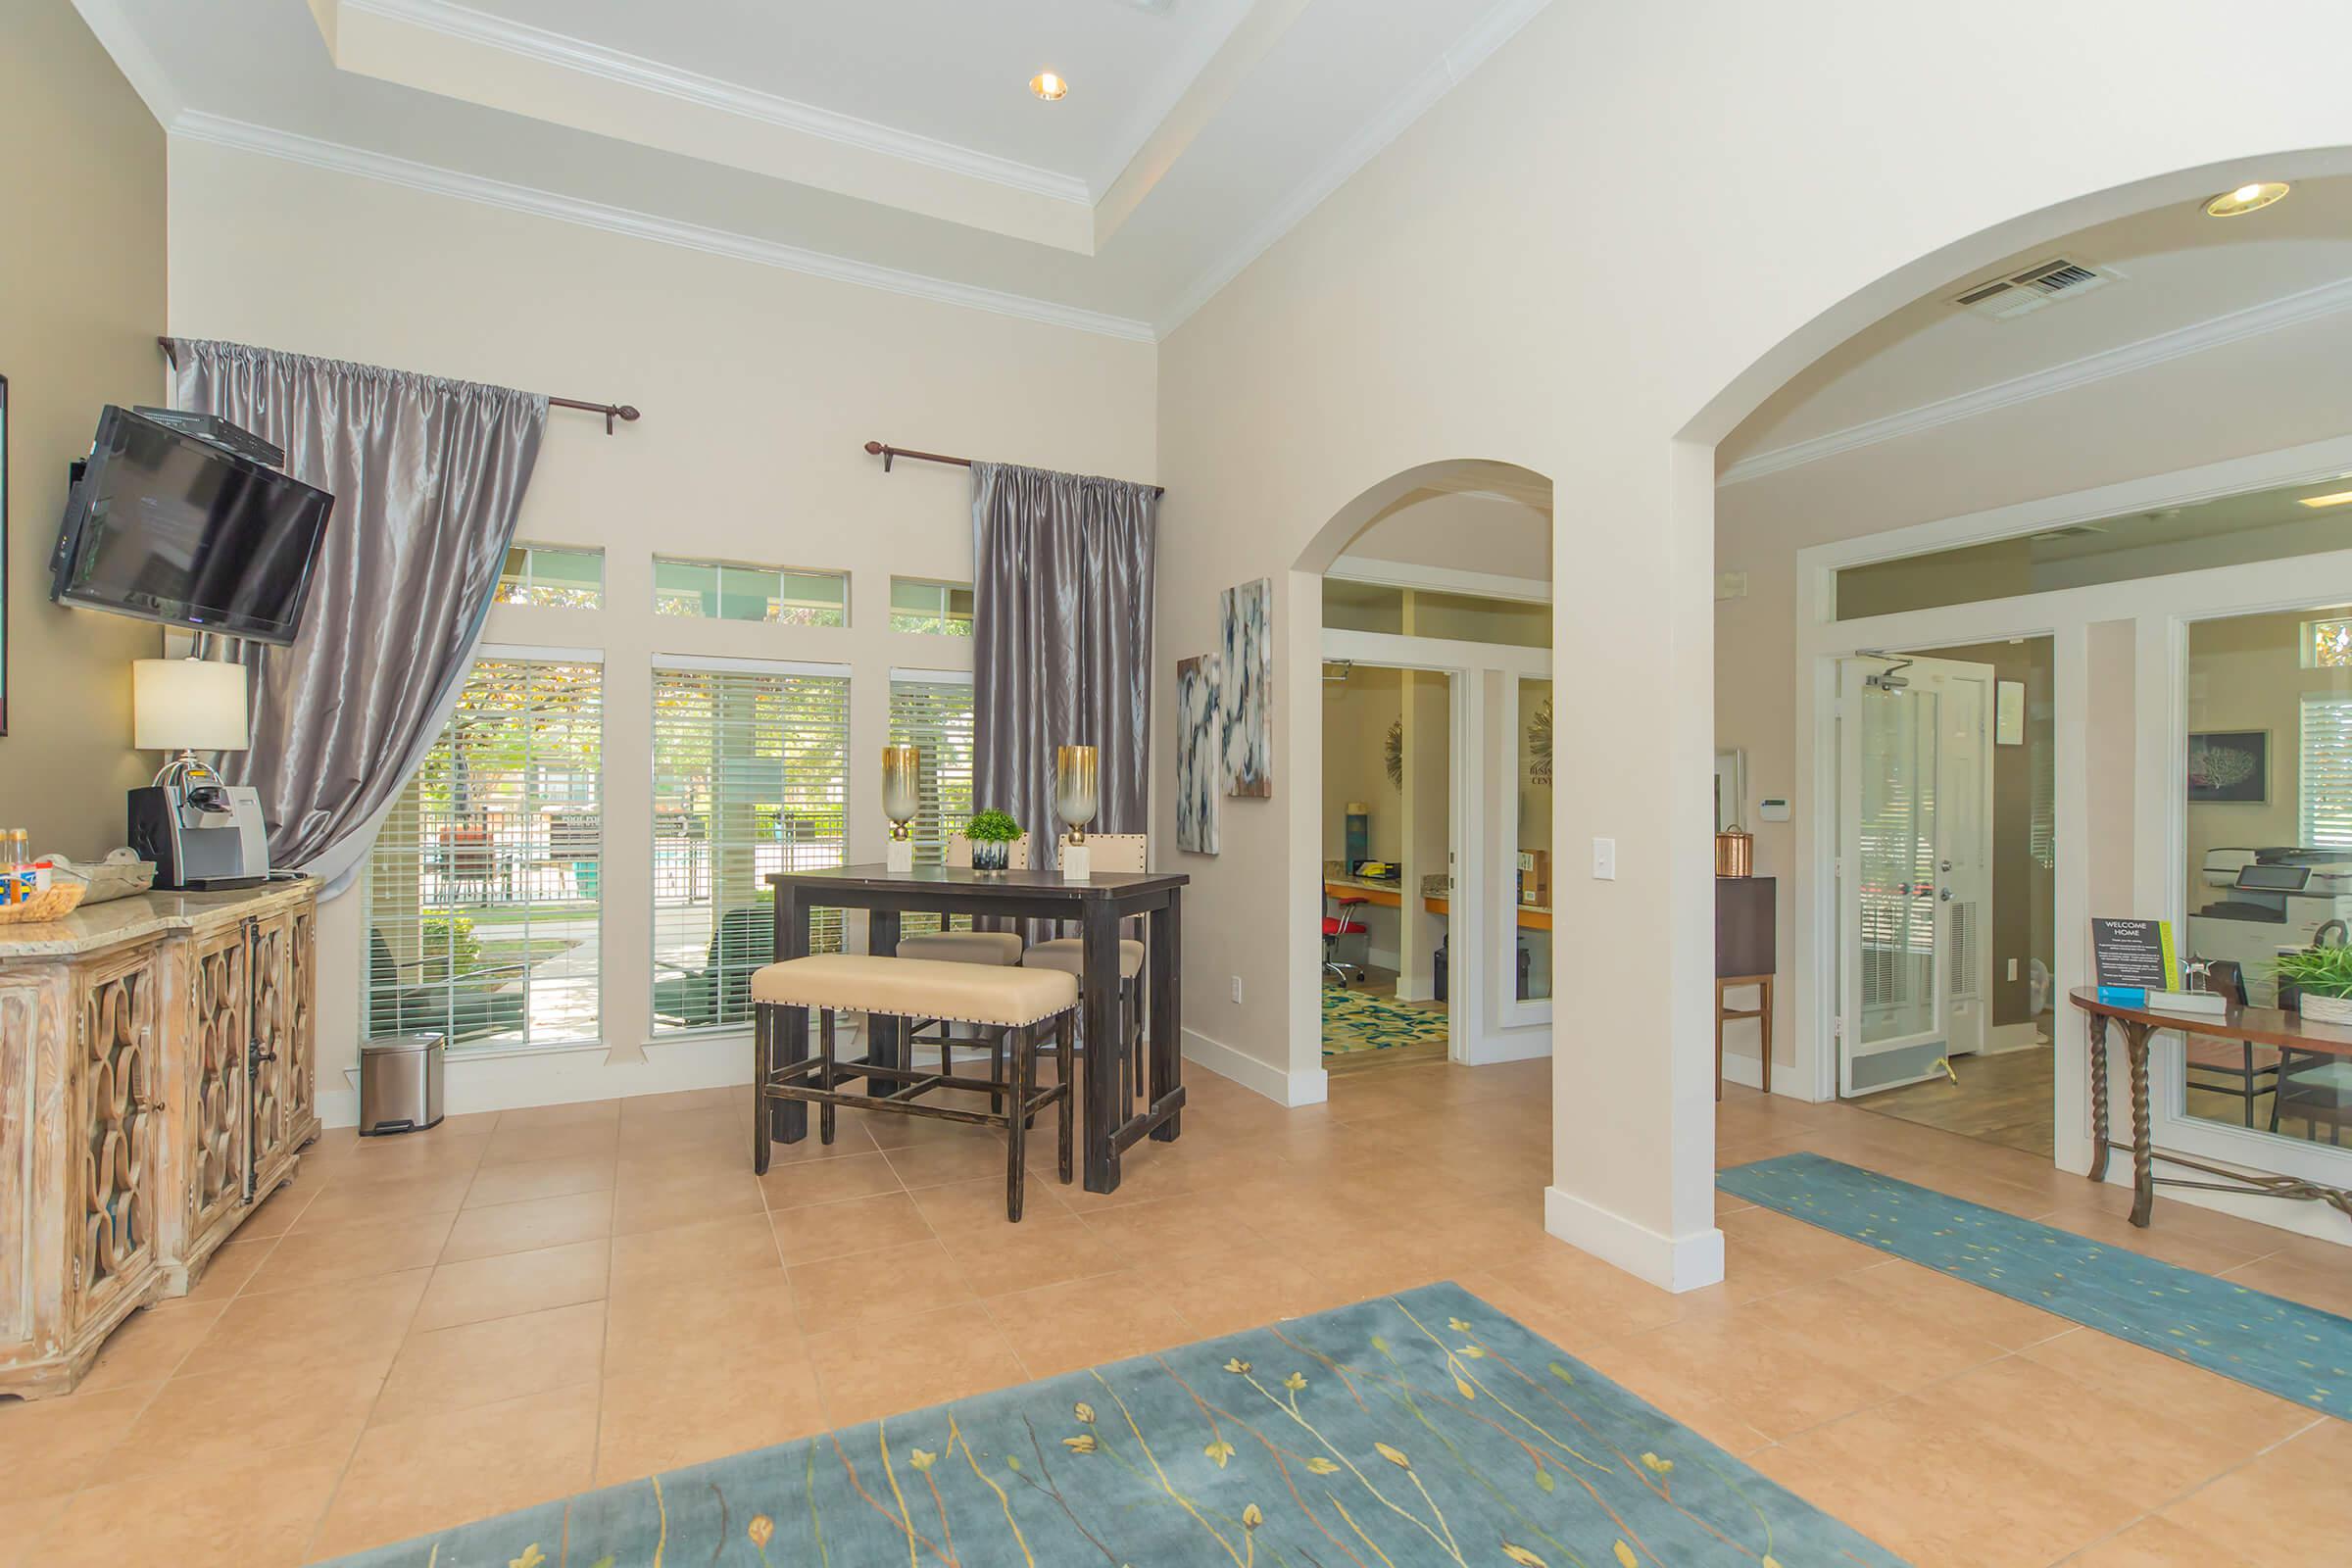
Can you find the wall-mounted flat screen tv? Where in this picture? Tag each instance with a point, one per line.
(167, 527)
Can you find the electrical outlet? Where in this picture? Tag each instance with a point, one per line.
(1237, 987)
(2012, 968)
(1604, 859)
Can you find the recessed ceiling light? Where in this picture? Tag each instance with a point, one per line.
(2250, 197)
(2339, 499)
(1052, 87)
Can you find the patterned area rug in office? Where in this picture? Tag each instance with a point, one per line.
(1413, 1430)
(1354, 1021)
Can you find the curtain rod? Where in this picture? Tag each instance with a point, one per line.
(886, 452)
(610, 410)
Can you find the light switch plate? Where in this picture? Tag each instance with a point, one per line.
(1604, 859)
(1772, 809)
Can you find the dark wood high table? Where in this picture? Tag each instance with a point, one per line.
(2260, 1026)
(1096, 907)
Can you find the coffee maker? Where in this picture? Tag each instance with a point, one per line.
(204, 836)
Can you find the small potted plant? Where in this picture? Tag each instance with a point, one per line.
(992, 834)
(2323, 977)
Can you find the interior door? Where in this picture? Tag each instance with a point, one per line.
(1913, 867)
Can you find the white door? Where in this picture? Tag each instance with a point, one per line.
(1914, 867)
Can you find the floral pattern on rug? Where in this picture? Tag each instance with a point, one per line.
(2298, 1353)
(1354, 1021)
(1414, 1430)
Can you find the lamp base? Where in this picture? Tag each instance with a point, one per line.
(898, 861)
(1077, 862)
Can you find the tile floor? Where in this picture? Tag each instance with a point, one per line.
(516, 1306)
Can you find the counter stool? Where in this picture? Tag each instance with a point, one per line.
(1017, 1004)
(1001, 948)
(1112, 852)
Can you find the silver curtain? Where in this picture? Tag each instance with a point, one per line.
(428, 475)
(1062, 642)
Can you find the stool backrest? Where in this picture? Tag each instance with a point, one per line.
(959, 853)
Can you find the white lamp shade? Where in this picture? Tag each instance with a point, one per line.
(194, 704)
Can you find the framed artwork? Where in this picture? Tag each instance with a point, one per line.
(2230, 767)
(1200, 752)
(1246, 625)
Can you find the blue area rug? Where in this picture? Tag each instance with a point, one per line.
(1419, 1429)
(2283, 1348)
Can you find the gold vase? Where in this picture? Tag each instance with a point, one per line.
(901, 795)
(1076, 788)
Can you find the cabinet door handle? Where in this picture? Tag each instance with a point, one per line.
(146, 1105)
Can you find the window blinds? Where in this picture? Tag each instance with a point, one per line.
(751, 776)
(482, 888)
(2327, 771)
(933, 712)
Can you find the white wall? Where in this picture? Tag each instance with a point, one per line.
(757, 387)
(1775, 177)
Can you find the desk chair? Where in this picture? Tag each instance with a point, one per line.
(2234, 1068)
(1340, 921)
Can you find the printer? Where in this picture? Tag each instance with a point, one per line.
(2269, 902)
(204, 836)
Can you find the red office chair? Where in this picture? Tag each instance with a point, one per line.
(1342, 923)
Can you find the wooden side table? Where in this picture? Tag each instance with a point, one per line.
(1745, 954)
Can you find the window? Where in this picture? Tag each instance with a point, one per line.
(2327, 645)
(751, 776)
(2326, 785)
(724, 590)
(941, 608)
(482, 888)
(560, 579)
(933, 712)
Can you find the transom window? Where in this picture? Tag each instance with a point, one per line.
(483, 885)
(727, 590)
(2327, 645)
(553, 577)
(942, 608)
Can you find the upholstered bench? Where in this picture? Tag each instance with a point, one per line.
(1016, 1003)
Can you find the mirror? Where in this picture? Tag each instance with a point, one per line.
(1730, 789)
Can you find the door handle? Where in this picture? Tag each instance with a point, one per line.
(1947, 895)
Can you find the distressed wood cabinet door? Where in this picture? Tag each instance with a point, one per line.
(117, 1116)
(276, 1013)
(302, 1033)
(219, 997)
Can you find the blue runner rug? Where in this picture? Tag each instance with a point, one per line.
(2283, 1348)
(1413, 1430)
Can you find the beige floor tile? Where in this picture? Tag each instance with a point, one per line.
(908, 1362)
(511, 1283)
(1043, 1250)
(712, 1255)
(541, 1178)
(1743, 1366)
(645, 1204)
(150, 1344)
(523, 1145)
(318, 1325)
(502, 1358)
(759, 1395)
(346, 1200)
(528, 1226)
(2158, 1542)
(649, 1335)
(819, 1231)
(1082, 1323)
(251, 1511)
(2173, 1390)
(2288, 1508)
(349, 1253)
(277, 1212)
(829, 1181)
(961, 1159)
(410, 1477)
(2326, 1285)
(226, 1271)
(843, 1292)
(578, 1114)
(314, 1407)
(23, 1522)
(957, 1205)
(49, 1447)
(1960, 1307)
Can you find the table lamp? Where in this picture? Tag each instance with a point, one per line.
(900, 802)
(187, 706)
(1076, 794)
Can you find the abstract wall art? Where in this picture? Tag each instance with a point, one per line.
(2230, 767)
(1245, 621)
(1200, 752)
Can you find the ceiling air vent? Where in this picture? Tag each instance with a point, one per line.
(2019, 293)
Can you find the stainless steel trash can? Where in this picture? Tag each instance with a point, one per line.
(399, 1084)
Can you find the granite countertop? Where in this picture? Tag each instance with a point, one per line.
(104, 925)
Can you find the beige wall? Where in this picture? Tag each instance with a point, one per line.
(1463, 295)
(2254, 395)
(82, 299)
(1356, 715)
(759, 386)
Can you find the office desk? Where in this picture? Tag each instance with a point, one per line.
(1383, 894)
(2260, 1026)
(1531, 918)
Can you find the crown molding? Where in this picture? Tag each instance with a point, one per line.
(1490, 33)
(652, 75)
(2294, 310)
(292, 147)
(139, 67)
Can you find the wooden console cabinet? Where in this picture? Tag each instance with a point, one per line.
(158, 1076)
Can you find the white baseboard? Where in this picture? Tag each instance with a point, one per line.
(1286, 1089)
(517, 1080)
(2004, 1038)
(1672, 1263)
(1518, 1045)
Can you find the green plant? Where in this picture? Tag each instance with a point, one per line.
(992, 827)
(447, 945)
(2321, 971)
